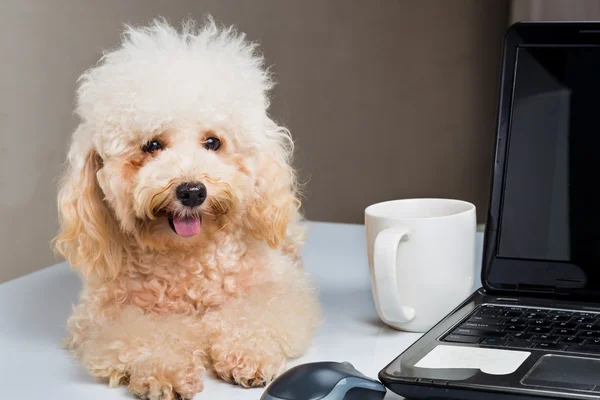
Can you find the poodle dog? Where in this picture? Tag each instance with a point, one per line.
(179, 208)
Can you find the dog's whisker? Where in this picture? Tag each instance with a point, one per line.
(177, 165)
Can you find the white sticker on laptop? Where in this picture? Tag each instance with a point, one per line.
(489, 361)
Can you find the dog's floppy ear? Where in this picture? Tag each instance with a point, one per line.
(276, 201)
(88, 235)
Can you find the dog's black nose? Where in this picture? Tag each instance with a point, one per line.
(191, 194)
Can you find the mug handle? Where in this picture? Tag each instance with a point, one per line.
(385, 255)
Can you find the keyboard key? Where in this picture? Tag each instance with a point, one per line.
(559, 318)
(521, 336)
(520, 343)
(494, 342)
(589, 335)
(539, 322)
(467, 332)
(489, 310)
(592, 342)
(573, 340)
(560, 312)
(586, 314)
(533, 316)
(550, 346)
(565, 325)
(485, 327)
(477, 332)
(539, 310)
(547, 339)
(583, 320)
(491, 307)
(515, 321)
(482, 319)
(493, 334)
(588, 327)
(514, 328)
(542, 330)
(510, 314)
(564, 332)
(462, 339)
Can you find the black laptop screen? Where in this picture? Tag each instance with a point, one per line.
(551, 199)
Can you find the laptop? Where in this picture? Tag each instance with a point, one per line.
(533, 330)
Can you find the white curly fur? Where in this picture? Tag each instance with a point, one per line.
(158, 308)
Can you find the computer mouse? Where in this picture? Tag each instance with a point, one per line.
(324, 381)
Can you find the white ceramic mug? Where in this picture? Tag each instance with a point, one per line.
(421, 258)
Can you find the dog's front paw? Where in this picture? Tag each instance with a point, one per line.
(150, 380)
(249, 363)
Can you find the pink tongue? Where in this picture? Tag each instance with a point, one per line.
(188, 226)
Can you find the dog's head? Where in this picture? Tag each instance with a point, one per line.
(174, 144)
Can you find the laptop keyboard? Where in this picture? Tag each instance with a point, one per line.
(530, 328)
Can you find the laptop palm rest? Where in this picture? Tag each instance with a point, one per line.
(565, 372)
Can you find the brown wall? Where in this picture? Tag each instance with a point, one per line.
(393, 101)
(554, 10)
(386, 99)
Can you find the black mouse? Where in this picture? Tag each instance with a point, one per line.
(324, 381)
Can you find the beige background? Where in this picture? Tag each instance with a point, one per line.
(386, 99)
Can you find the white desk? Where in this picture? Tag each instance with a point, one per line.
(34, 308)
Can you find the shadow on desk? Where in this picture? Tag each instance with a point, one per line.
(352, 311)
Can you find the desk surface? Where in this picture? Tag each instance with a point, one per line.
(34, 308)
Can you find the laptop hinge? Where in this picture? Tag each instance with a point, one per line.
(538, 289)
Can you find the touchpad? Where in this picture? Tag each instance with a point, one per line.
(563, 372)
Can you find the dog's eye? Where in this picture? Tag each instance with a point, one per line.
(152, 146)
(212, 143)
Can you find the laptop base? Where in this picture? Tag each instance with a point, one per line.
(548, 373)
